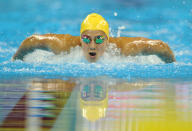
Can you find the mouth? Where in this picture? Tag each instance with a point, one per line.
(92, 54)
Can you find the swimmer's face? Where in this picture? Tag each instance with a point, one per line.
(93, 43)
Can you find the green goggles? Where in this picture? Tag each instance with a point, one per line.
(98, 39)
(97, 92)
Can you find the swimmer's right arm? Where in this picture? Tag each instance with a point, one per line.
(54, 42)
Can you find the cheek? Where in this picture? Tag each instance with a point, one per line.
(101, 48)
(84, 46)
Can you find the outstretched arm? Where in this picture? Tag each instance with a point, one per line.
(54, 42)
(143, 46)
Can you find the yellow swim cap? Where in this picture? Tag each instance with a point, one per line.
(95, 21)
(94, 110)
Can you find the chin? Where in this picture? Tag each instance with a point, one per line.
(92, 60)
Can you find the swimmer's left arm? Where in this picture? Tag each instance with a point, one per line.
(138, 45)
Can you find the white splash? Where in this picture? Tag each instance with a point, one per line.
(119, 30)
(115, 14)
(42, 56)
(111, 56)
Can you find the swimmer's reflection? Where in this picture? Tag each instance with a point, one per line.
(111, 104)
(93, 100)
(94, 95)
(46, 99)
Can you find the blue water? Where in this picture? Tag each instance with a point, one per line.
(164, 94)
(169, 21)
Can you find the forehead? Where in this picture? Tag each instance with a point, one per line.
(93, 33)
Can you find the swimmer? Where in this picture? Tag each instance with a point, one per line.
(94, 38)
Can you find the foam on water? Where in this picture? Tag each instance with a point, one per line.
(112, 55)
(42, 56)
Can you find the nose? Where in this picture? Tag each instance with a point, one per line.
(92, 46)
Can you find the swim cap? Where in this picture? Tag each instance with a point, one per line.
(95, 21)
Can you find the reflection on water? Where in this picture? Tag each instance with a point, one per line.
(93, 99)
(87, 104)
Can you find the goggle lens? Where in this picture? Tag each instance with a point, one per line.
(86, 40)
(98, 39)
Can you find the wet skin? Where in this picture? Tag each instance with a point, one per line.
(130, 46)
(93, 51)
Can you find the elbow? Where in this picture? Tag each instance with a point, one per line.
(165, 52)
(19, 55)
(167, 57)
(169, 60)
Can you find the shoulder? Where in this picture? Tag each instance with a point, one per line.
(121, 41)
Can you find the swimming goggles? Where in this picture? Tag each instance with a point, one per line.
(95, 93)
(98, 39)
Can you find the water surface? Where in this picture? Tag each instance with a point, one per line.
(94, 104)
(65, 92)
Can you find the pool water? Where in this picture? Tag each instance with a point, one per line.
(96, 104)
(167, 21)
(60, 92)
